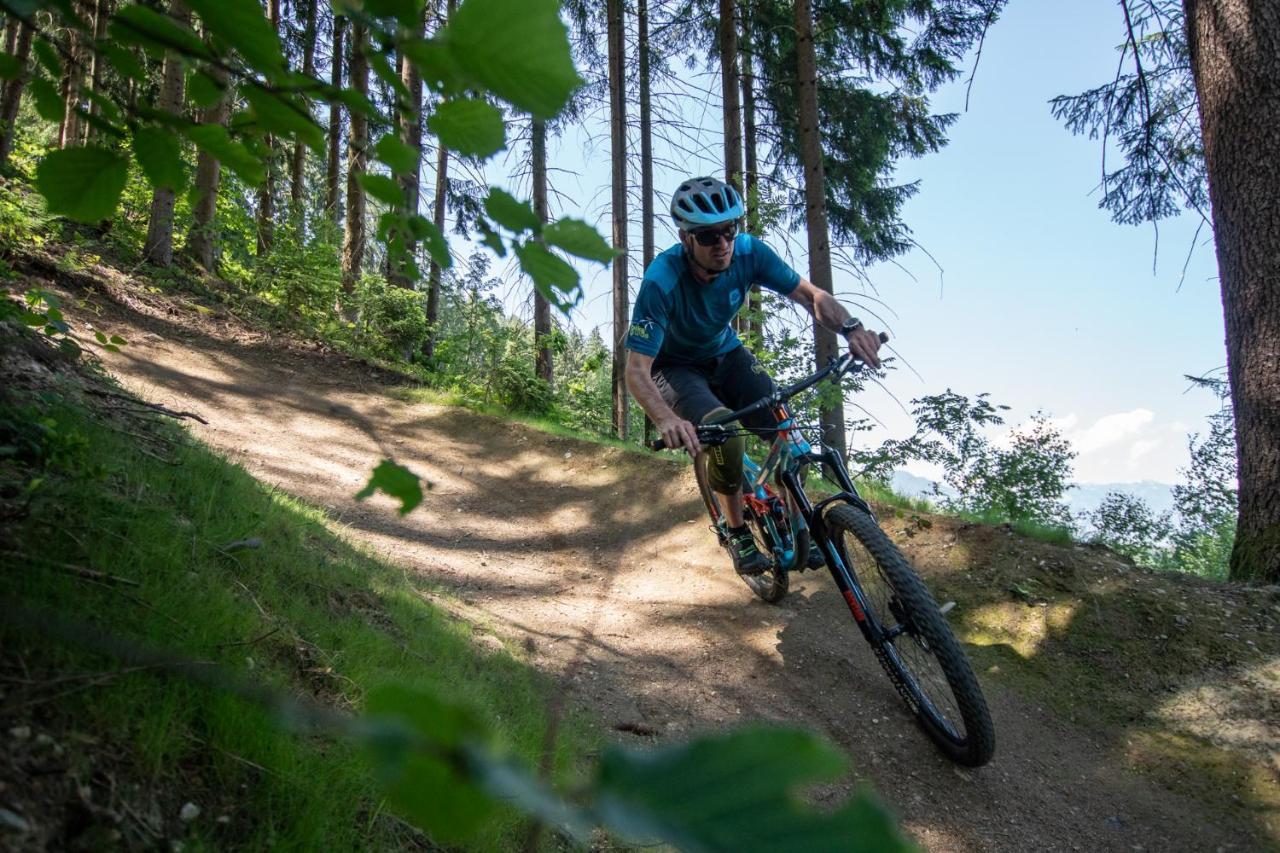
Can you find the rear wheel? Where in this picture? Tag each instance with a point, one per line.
(918, 650)
(771, 584)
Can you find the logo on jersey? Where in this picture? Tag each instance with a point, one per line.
(734, 298)
(641, 328)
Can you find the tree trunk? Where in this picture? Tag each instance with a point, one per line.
(729, 94)
(754, 327)
(541, 307)
(297, 183)
(410, 124)
(11, 98)
(158, 248)
(825, 343)
(357, 159)
(72, 86)
(433, 277)
(618, 151)
(202, 240)
(101, 15)
(267, 192)
(1235, 59)
(333, 170)
(646, 157)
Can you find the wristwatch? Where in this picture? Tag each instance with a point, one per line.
(850, 325)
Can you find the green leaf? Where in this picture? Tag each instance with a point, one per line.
(525, 61)
(553, 277)
(243, 26)
(124, 62)
(286, 115)
(509, 212)
(119, 341)
(49, 104)
(402, 159)
(437, 246)
(416, 742)
(203, 90)
(387, 74)
(492, 238)
(470, 127)
(679, 794)
(48, 58)
(159, 153)
(578, 238)
(406, 12)
(397, 481)
(214, 139)
(436, 64)
(10, 66)
(82, 183)
(382, 188)
(154, 32)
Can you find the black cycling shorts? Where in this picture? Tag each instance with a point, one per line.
(732, 381)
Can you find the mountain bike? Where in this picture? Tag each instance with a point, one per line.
(891, 605)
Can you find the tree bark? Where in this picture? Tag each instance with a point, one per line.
(825, 343)
(72, 84)
(267, 192)
(729, 94)
(618, 151)
(11, 98)
(101, 15)
(297, 183)
(1235, 60)
(202, 239)
(357, 159)
(646, 156)
(541, 307)
(410, 123)
(433, 276)
(754, 327)
(158, 248)
(333, 168)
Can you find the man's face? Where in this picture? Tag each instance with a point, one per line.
(712, 247)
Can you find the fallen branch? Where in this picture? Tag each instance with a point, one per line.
(78, 571)
(252, 642)
(155, 407)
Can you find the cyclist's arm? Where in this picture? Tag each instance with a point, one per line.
(830, 314)
(676, 431)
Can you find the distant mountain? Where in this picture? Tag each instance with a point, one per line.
(1081, 500)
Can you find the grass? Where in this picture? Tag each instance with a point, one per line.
(304, 614)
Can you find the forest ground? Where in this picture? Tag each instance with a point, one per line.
(595, 565)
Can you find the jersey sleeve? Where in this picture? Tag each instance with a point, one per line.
(649, 319)
(772, 271)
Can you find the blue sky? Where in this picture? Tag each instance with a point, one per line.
(1041, 300)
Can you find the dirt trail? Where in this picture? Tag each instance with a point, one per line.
(598, 566)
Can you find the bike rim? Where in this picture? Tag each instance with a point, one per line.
(925, 682)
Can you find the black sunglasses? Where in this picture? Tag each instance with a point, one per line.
(710, 237)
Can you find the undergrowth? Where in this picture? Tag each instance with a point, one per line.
(126, 526)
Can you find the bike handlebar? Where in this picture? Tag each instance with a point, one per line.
(838, 366)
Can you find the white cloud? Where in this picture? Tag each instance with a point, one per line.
(1111, 429)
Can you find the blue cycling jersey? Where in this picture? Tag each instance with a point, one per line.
(687, 321)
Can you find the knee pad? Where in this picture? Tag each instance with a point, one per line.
(724, 463)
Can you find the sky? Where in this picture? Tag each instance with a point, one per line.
(1025, 288)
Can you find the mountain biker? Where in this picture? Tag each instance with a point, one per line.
(685, 364)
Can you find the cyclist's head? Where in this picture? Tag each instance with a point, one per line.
(707, 210)
(702, 202)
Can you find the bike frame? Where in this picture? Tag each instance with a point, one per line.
(788, 455)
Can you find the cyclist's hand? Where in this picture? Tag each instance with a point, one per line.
(677, 432)
(864, 344)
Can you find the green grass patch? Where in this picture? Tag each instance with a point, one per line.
(303, 613)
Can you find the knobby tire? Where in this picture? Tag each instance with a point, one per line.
(772, 584)
(925, 662)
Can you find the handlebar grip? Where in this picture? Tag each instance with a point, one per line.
(657, 444)
(884, 337)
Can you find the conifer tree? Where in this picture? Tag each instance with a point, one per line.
(158, 248)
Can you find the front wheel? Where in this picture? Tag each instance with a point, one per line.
(916, 646)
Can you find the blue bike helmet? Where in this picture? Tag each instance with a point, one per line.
(699, 202)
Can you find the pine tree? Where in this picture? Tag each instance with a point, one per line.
(158, 248)
(357, 160)
(618, 153)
